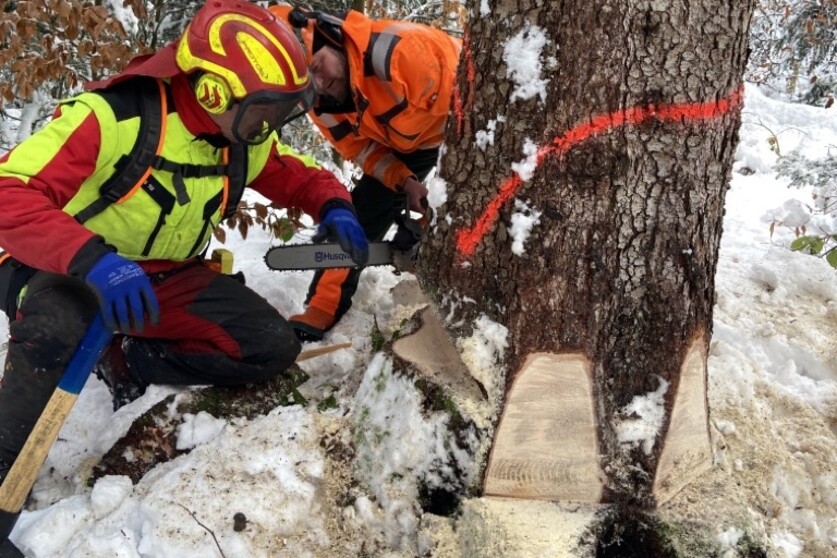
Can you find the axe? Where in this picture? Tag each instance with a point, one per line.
(24, 471)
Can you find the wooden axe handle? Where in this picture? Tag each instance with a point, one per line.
(24, 471)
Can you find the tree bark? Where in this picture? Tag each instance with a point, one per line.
(612, 297)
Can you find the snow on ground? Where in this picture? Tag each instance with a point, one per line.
(773, 356)
(772, 393)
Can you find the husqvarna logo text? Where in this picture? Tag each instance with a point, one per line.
(320, 257)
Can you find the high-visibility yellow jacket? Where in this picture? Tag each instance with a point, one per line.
(57, 171)
(402, 77)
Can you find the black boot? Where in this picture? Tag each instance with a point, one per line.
(113, 370)
(7, 519)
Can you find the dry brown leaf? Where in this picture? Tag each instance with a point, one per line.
(63, 9)
(243, 227)
(26, 29)
(261, 210)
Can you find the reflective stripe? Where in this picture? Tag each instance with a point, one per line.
(327, 119)
(379, 55)
(338, 129)
(361, 157)
(381, 167)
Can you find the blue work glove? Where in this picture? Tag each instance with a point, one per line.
(341, 224)
(125, 293)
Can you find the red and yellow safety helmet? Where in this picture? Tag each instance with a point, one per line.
(242, 55)
(246, 55)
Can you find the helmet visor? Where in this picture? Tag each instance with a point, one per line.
(264, 112)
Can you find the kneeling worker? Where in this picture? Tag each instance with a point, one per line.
(384, 93)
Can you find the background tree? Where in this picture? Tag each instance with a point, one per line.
(613, 157)
(158, 22)
(794, 49)
(794, 55)
(48, 48)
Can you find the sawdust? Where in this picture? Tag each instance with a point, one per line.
(775, 448)
(506, 528)
(775, 456)
(785, 439)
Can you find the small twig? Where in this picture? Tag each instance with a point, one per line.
(773, 135)
(208, 530)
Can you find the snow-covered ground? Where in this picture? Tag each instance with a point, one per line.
(773, 399)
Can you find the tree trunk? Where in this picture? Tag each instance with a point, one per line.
(609, 303)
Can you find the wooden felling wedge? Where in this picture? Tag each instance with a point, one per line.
(546, 446)
(431, 350)
(311, 353)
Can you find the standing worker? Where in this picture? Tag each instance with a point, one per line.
(384, 93)
(110, 206)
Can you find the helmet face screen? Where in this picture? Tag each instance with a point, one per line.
(264, 112)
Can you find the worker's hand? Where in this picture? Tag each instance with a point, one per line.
(416, 192)
(341, 224)
(125, 293)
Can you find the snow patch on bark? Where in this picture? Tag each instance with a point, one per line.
(647, 413)
(522, 55)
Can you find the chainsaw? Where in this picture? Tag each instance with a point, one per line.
(400, 252)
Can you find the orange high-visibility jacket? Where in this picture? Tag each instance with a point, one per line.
(401, 77)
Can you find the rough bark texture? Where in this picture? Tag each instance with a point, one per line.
(621, 265)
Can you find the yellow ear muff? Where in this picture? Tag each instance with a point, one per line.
(213, 93)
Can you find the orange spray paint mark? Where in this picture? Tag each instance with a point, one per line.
(457, 109)
(470, 76)
(468, 239)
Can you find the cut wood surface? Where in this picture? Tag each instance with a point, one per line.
(686, 451)
(546, 445)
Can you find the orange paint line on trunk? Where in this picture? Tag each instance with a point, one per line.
(468, 239)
